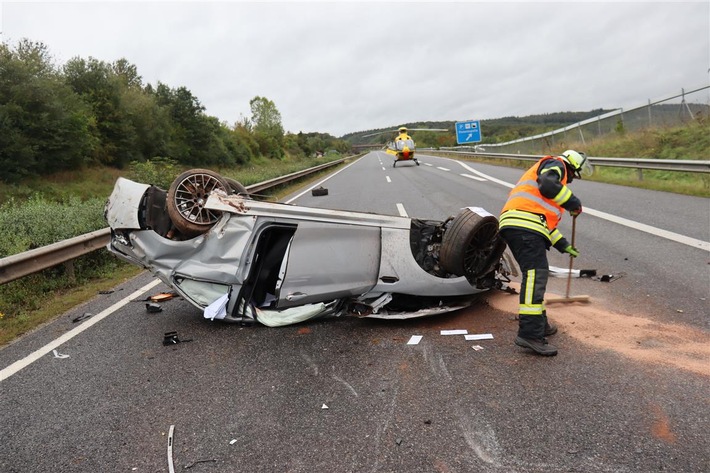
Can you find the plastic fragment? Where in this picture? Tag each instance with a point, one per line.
(59, 355)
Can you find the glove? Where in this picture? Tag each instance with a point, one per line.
(576, 211)
(574, 252)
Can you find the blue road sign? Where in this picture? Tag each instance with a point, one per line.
(468, 132)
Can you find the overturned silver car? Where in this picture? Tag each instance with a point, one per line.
(243, 260)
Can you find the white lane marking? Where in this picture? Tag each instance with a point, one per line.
(677, 237)
(486, 176)
(443, 169)
(388, 179)
(703, 245)
(402, 212)
(48, 348)
(383, 168)
(473, 177)
(427, 164)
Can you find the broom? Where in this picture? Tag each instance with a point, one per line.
(567, 297)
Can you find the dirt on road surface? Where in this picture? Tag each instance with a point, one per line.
(632, 335)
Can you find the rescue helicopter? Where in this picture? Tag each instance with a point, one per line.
(402, 148)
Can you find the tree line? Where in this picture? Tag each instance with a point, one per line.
(91, 112)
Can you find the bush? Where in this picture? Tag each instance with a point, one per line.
(158, 171)
(39, 222)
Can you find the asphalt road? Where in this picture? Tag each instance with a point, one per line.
(627, 393)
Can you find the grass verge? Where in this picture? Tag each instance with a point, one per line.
(55, 303)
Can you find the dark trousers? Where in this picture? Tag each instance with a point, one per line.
(530, 251)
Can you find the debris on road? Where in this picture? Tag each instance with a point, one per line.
(319, 191)
(479, 336)
(81, 317)
(171, 469)
(454, 332)
(477, 347)
(59, 355)
(577, 273)
(152, 307)
(163, 296)
(608, 277)
(171, 338)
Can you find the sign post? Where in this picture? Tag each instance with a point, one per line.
(468, 132)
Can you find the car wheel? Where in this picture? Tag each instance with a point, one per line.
(187, 197)
(237, 187)
(471, 245)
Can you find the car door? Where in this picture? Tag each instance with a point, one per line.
(327, 261)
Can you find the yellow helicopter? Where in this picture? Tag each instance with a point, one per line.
(403, 146)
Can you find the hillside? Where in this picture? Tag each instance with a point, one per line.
(494, 130)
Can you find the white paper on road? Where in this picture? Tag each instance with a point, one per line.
(59, 355)
(479, 336)
(415, 340)
(454, 332)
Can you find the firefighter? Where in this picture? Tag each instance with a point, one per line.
(528, 224)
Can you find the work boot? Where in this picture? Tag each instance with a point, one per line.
(539, 345)
(550, 329)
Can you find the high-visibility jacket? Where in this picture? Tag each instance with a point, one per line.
(528, 209)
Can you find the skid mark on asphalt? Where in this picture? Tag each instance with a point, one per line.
(347, 385)
(481, 437)
(436, 363)
(311, 363)
(382, 428)
(633, 336)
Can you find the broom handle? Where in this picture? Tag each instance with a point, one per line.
(571, 258)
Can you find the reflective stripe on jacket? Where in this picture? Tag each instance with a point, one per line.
(527, 208)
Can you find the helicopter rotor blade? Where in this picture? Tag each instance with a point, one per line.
(408, 129)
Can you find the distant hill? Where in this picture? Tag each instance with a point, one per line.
(495, 130)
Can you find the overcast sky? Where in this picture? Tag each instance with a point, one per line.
(341, 67)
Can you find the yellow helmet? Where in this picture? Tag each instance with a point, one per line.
(403, 129)
(578, 162)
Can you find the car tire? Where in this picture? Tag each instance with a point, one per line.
(237, 187)
(471, 245)
(187, 197)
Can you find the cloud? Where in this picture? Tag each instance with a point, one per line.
(341, 67)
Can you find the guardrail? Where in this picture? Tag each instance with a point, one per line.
(22, 264)
(679, 165)
(32, 261)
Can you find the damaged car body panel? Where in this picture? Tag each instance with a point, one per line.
(280, 263)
